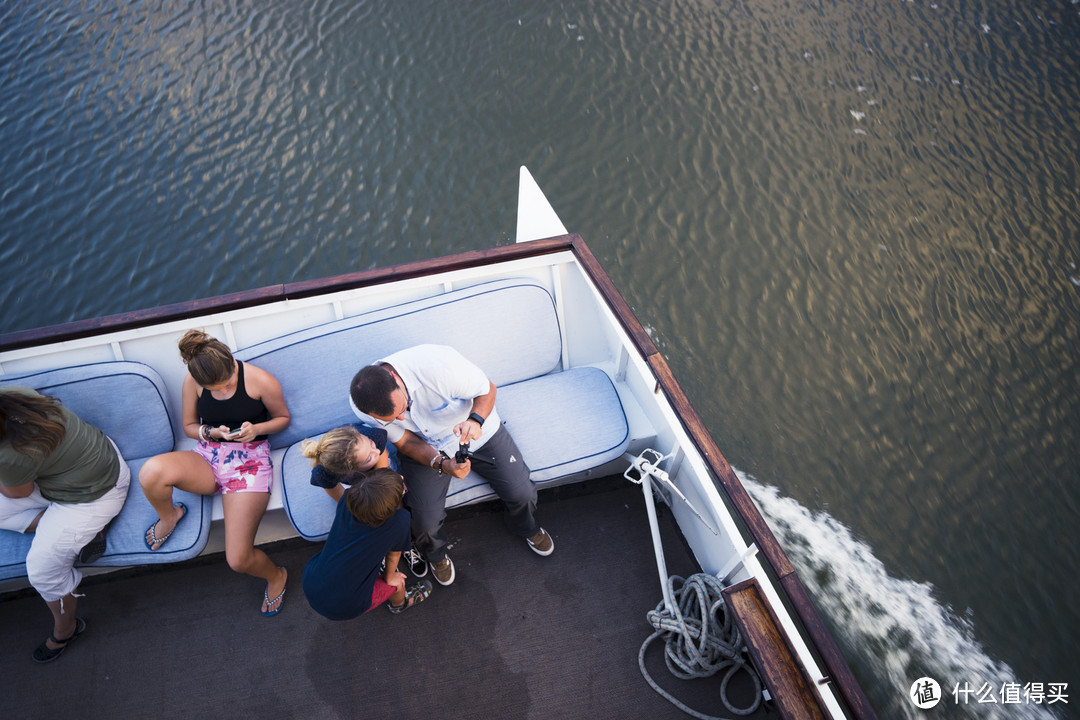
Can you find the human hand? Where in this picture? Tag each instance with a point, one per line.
(246, 433)
(458, 470)
(219, 433)
(467, 431)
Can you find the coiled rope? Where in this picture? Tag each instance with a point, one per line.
(701, 639)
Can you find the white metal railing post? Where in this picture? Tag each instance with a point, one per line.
(649, 471)
(661, 563)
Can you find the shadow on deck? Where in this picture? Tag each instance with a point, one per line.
(516, 636)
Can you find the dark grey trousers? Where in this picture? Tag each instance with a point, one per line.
(508, 477)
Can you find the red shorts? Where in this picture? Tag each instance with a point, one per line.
(381, 593)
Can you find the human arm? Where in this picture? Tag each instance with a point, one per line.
(17, 491)
(393, 576)
(468, 430)
(410, 445)
(263, 386)
(383, 461)
(18, 473)
(323, 478)
(189, 415)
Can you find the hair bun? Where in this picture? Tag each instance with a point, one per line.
(311, 450)
(192, 344)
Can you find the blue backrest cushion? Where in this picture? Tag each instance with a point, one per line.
(125, 400)
(509, 328)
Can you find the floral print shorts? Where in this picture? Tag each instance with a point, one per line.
(239, 466)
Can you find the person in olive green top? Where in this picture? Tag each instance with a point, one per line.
(63, 480)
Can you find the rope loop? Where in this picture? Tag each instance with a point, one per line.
(700, 640)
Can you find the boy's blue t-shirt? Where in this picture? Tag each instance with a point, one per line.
(338, 580)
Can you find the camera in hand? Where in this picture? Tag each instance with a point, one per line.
(463, 453)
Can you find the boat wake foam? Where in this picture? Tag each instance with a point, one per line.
(892, 629)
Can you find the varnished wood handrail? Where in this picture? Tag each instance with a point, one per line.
(776, 660)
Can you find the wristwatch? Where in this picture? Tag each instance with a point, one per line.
(476, 419)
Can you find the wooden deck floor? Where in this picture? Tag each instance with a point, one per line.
(516, 636)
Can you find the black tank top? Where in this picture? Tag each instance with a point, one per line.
(235, 411)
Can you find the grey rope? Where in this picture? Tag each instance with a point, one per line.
(701, 639)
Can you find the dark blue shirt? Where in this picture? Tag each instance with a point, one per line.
(339, 580)
(321, 477)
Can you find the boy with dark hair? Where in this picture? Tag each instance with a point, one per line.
(343, 580)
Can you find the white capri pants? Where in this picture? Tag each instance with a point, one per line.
(62, 532)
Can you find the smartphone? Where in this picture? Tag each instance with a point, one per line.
(234, 432)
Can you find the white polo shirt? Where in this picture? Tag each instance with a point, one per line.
(442, 385)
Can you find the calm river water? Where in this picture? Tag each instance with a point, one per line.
(852, 226)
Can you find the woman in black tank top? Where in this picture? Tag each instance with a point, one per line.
(234, 411)
(230, 408)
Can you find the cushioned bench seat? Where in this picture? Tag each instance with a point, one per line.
(509, 328)
(554, 443)
(126, 400)
(566, 421)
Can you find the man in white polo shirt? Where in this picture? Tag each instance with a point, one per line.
(430, 399)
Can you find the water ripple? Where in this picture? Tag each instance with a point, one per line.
(851, 226)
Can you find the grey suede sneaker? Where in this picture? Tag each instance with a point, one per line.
(443, 570)
(541, 543)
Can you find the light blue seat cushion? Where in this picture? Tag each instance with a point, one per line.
(127, 401)
(309, 508)
(13, 549)
(554, 442)
(563, 423)
(509, 328)
(126, 537)
(125, 546)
